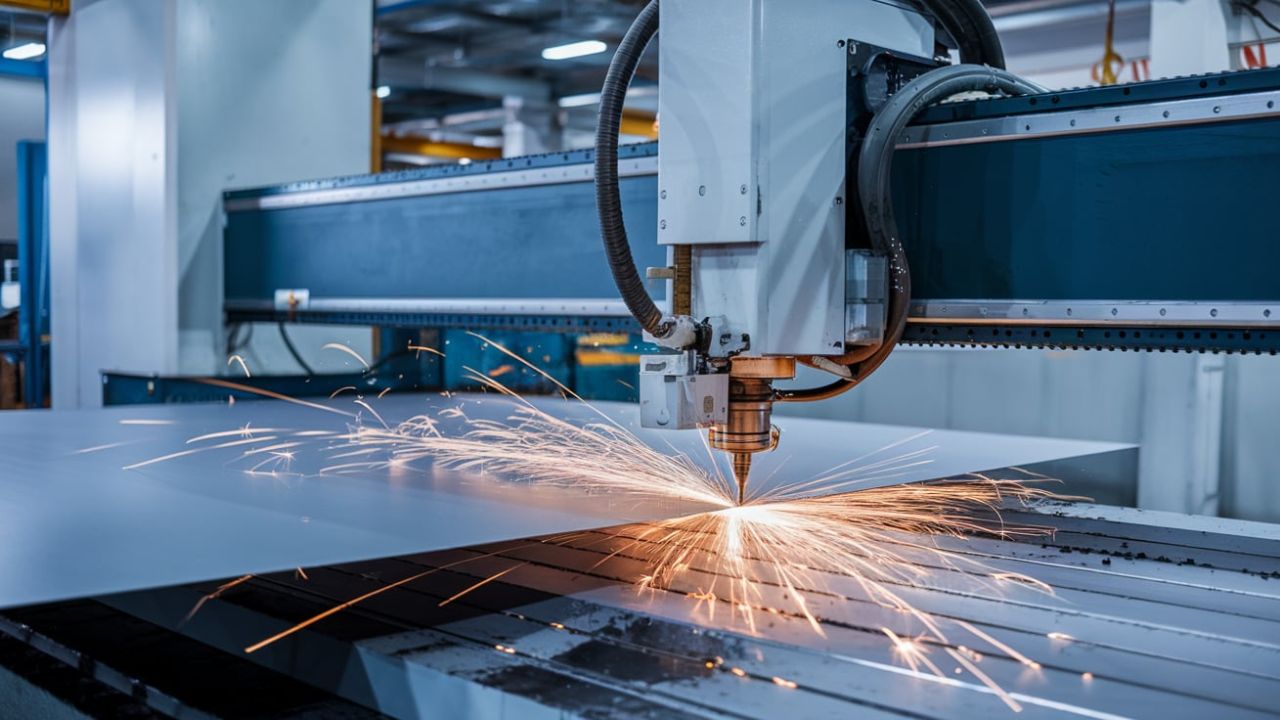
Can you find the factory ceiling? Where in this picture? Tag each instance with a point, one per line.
(447, 65)
(465, 56)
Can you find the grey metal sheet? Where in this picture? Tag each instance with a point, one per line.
(79, 524)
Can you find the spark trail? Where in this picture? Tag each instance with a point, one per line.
(789, 539)
(768, 554)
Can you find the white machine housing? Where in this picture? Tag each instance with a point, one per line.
(753, 158)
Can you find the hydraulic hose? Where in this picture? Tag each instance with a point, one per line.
(608, 199)
(968, 23)
(875, 166)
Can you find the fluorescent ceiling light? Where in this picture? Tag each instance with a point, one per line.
(25, 52)
(574, 50)
(587, 99)
(383, 91)
(573, 101)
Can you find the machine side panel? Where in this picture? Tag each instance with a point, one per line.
(529, 242)
(802, 65)
(1182, 213)
(708, 162)
(1153, 235)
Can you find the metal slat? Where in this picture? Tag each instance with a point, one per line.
(1154, 668)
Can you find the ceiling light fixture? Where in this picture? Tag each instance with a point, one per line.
(574, 50)
(25, 52)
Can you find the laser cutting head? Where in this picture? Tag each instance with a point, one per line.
(761, 269)
(748, 426)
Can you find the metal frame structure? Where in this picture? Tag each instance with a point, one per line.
(1129, 272)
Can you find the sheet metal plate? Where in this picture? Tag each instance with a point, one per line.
(78, 524)
(1153, 616)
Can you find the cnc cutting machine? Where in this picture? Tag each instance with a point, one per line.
(780, 120)
(811, 204)
(814, 202)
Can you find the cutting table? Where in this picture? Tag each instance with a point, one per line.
(1152, 614)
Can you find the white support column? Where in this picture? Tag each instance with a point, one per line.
(1181, 446)
(113, 205)
(154, 109)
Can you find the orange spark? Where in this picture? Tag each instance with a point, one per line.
(501, 370)
(214, 596)
(480, 584)
(343, 348)
(238, 359)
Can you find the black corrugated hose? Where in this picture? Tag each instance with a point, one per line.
(875, 165)
(968, 23)
(608, 199)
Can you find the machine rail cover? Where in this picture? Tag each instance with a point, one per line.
(1129, 217)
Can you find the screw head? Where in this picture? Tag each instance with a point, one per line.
(702, 191)
(742, 221)
(663, 194)
(662, 224)
(743, 189)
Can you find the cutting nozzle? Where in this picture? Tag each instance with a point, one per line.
(741, 470)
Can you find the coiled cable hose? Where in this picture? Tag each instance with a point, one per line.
(608, 198)
(875, 185)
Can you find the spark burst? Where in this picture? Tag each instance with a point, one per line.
(770, 554)
(789, 539)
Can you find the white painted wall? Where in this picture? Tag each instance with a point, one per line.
(270, 92)
(1250, 452)
(21, 118)
(1189, 37)
(155, 108)
(1058, 46)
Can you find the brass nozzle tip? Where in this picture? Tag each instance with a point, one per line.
(741, 471)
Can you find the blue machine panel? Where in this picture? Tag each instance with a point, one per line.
(1169, 213)
(1178, 213)
(531, 242)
